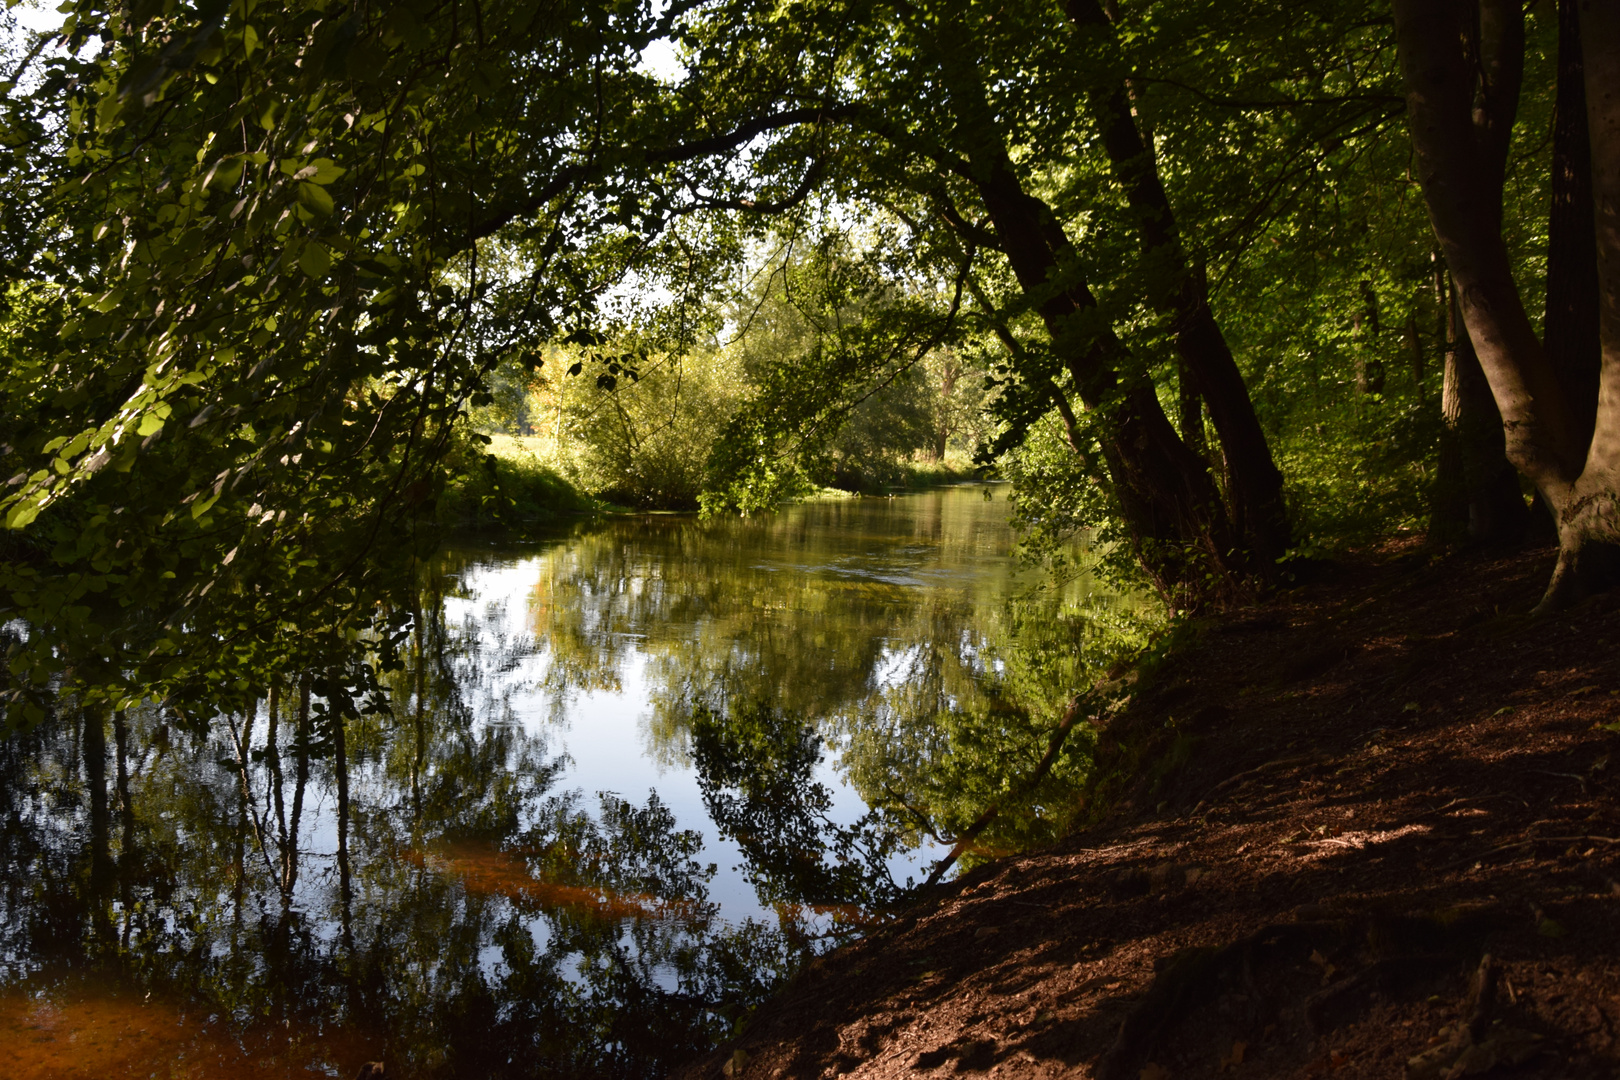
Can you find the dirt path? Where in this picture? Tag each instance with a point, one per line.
(1372, 829)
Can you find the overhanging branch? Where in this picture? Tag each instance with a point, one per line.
(572, 175)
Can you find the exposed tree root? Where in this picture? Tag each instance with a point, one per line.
(1585, 567)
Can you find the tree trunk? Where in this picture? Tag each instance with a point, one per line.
(126, 817)
(340, 749)
(94, 744)
(272, 764)
(244, 816)
(419, 705)
(1414, 354)
(1452, 51)
(1448, 499)
(1571, 325)
(1496, 510)
(1258, 513)
(1169, 504)
(1190, 408)
(1369, 364)
(1454, 54)
(300, 780)
(1589, 514)
(945, 427)
(126, 807)
(1448, 508)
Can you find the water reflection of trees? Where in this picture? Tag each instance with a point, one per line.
(897, 632)
(401, 883)
(377, 861)
(757, 771)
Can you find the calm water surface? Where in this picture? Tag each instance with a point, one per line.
(630, 778)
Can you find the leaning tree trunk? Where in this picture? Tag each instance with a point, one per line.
(1167, 499)
(1255, 483)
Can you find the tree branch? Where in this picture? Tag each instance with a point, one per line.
(572, 175)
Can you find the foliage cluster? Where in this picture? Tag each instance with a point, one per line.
(506, 482)
(287, 287)
(682, 427)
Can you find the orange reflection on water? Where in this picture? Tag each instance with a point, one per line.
(77, 1031)
(487, 871)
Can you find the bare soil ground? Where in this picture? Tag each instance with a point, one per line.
(1370, 828)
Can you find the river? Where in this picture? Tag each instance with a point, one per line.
(628, 777)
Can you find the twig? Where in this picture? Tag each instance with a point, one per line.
(1477, 798)
(1577, 777)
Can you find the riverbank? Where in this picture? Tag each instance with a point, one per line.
(518, 487)
(525, 485)
(1369, 828)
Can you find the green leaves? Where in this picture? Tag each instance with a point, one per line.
(320, 171)
(20, 515)
(315, 260)
(314, 198)
(172, 309)
(326, 171)
(225, 174)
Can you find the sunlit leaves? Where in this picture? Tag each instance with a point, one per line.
(219, 337)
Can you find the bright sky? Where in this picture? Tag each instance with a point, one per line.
(659, 60)
(33, 15)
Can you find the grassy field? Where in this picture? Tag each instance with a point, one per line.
(520, 487)
(956, 468)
